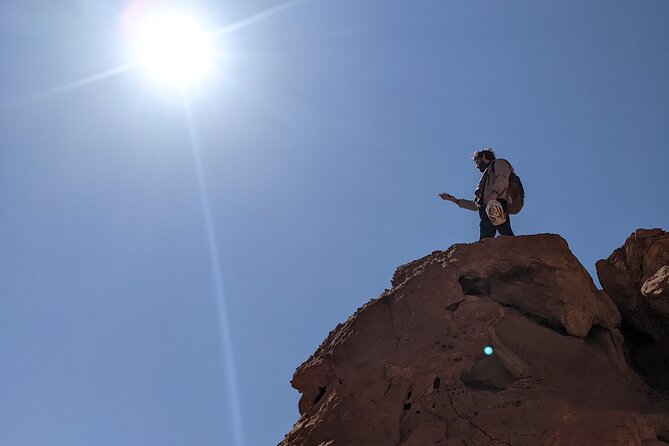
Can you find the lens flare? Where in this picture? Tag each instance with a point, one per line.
(224, 323)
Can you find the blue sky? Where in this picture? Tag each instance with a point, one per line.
(325, 132)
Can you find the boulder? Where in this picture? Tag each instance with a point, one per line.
(636, 277)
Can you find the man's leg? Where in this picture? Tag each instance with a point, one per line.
(487, 230)
(505, 228)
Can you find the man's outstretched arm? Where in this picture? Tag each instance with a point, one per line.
(464, 204)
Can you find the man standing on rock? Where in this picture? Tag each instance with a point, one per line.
(493, 185)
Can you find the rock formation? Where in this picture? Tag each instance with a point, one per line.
(636, 276)
(409, 367)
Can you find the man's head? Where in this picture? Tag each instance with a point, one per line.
(483, 157)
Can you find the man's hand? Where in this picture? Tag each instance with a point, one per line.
(448, 197)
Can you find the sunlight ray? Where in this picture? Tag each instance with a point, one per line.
(255, 18)
(224, 324)
(74, 84)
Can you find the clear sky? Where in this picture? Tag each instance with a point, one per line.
(325, 130)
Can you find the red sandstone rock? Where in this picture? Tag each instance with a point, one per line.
(636, 276)
(657, 285)
(408, 368)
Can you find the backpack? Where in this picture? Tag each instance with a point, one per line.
(516, 192)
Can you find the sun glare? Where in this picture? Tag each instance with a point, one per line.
(173, 49)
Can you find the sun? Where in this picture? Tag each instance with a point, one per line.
(173, 49)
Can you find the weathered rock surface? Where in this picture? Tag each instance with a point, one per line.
(658, 284)
(636, 276)
(408, 367)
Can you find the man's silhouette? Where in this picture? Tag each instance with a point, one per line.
(493, 185)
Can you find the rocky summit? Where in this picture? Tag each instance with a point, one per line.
(506, 341)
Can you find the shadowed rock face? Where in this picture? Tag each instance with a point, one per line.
(636, 276)
(408, 368)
